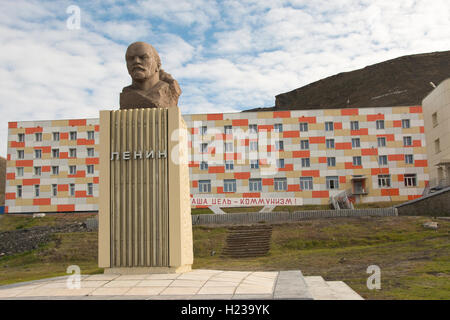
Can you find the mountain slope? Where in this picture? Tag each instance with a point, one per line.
(402, 81)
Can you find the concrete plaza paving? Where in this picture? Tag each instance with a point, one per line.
(197, 284)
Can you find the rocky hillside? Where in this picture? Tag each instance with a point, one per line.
(402, 81)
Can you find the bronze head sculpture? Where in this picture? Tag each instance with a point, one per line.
(151, 87)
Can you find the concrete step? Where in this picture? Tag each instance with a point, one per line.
(330, 290)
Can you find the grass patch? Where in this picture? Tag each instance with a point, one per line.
(414, 262)
(9, 222)
(52, 259)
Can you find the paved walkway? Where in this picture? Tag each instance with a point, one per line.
(197, 284)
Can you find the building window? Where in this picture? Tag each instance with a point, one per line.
(229, 165)
(72, 169)
(203, 130)
(330, 143)
(280, 184)
(90, 135)
(437, 146)
(21, 137)
(20, 154)
(382, 160)
(380, 124)
(90, 169)
(384, 180)
(19, 171)
(254, 164)
(304, 126)
(354, 125)
(253, 145)
(280, 163)
(37, 153)
(356, 143)
(406, 124)
(255, 185)
(410, 180)
(228, 129)
(407, 141)
(305, 162)
(55, 136)
(90, 189)
(409, 159)
(73, 135)
(434, 119)
(331, 161)
(304, 144)
(306, 183)
(279, 145)
(357, 161)
(72, 152)
(203, 147)
(278, 127)
(54, 190)
(37, 171)
(90, 152)
(203, 165)
(19, 191)
(253, 128)
(72, 189)
(55, 170)
(204, 186)
(332, 182)
(55, 153)
(228, 146)
(229, 185)
(38, 136)
(329, 126)
(36, 190)
(381, 142)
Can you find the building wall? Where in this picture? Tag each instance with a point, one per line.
(46, 202)
(317, 152)
(2, 180)
(438, 103)
(242, 172)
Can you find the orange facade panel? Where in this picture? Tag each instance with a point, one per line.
(30, 182)
(281, 114)
(33, 130)
(242, 175)
(375, 117)
(42, 202)
(343, 145)
(307, 119)
(317, 139)
(66, 207)
(390, 192)
(216, 169)
(239, 122)
(77, 122)
(291, 134)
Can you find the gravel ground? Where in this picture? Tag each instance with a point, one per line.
(12, 242)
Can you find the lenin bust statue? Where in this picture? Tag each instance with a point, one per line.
(151, 87)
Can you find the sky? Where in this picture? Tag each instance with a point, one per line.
(65, 59)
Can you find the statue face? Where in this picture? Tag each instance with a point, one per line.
(141, 63)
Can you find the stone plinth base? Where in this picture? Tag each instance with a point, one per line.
(148, 270)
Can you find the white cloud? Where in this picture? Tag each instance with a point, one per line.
(227, 55)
